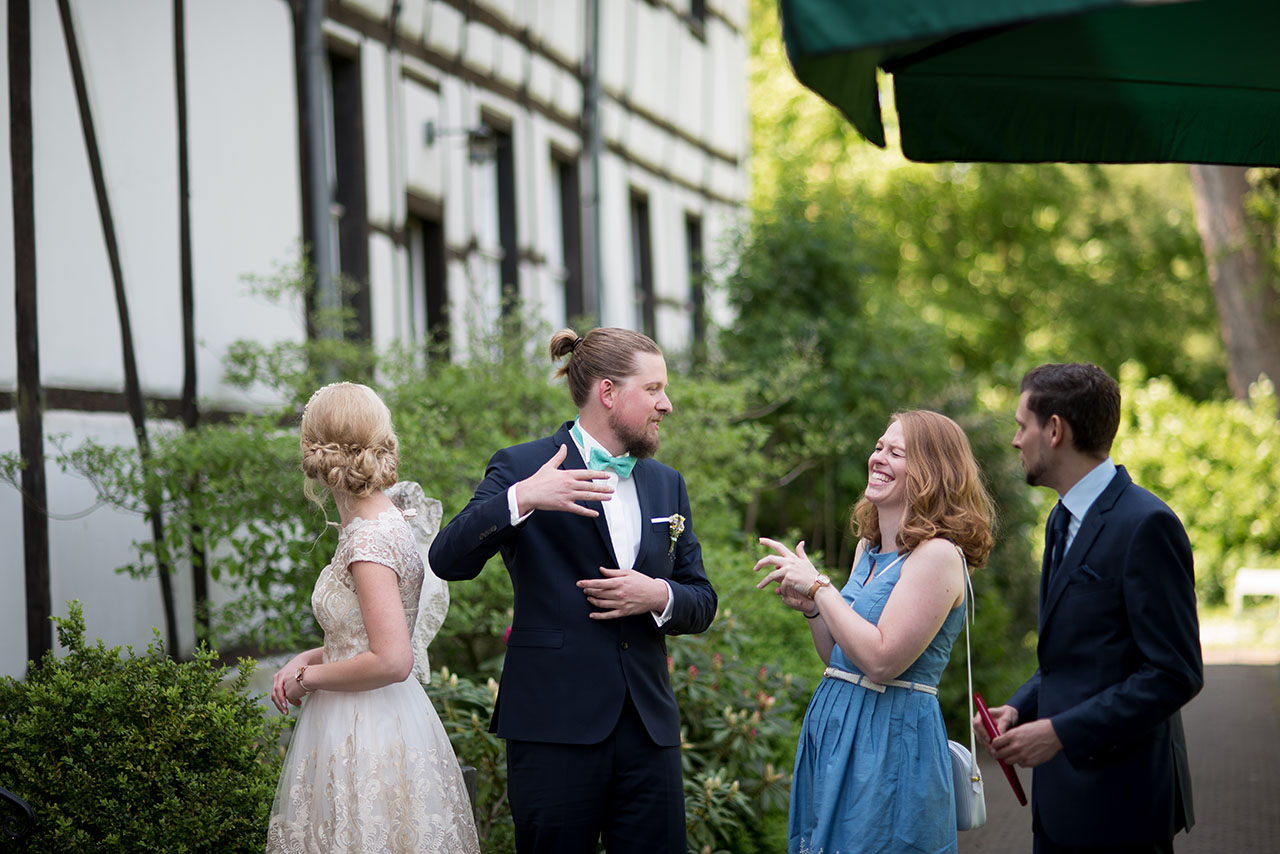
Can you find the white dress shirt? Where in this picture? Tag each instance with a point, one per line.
(621, 516)
(1080, 497)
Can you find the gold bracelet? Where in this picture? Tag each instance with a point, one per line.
(297, 677)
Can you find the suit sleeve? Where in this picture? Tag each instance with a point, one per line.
(1159, 594)
(1026, 699)
(465, 545)
(693, 604)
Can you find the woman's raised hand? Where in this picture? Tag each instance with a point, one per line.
(792, 571)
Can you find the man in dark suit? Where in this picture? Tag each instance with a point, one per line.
(1119, 640)
(604, 565)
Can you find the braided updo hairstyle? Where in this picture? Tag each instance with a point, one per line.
(606, 352)
(347, 441)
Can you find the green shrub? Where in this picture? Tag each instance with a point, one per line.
(738, 736)
(137, 753)
(465, 707)
(1217, 464)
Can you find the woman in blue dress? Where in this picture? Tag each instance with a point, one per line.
(872, 770)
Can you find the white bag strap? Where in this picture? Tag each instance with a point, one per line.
(974, 775)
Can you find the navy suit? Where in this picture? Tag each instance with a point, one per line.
(1119, 655)
(567, 678)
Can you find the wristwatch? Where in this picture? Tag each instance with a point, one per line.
(297, 677)
(820, 581)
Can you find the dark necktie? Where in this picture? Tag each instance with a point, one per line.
(1056, 545)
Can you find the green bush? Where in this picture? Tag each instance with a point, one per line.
(465, 707)
(738, 737)
(137, 753)
(1217, 464)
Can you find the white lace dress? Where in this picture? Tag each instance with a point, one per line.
(369, 771)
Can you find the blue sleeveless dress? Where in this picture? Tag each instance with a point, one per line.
(872, 770)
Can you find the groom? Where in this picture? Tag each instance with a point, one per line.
(604, 564)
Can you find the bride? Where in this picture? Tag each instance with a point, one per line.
(369, 767)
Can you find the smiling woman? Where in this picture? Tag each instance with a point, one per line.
(886, 638)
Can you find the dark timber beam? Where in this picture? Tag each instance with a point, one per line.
(132, 386)
(29, 399)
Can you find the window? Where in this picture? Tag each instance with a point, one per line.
(428, 276)
(697, 17)
(697, 284)
(642, 263)
(565, 172)
(505, 161)
(347, 189)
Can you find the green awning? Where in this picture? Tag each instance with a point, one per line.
(1051, 80)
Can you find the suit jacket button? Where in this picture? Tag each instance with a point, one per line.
(623, 644)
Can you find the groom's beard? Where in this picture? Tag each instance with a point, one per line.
(640, 444)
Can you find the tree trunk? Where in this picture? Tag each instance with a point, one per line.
(1237, 252)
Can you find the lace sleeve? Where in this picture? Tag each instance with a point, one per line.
(376, 545)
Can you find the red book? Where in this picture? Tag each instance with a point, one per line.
(1009, 774)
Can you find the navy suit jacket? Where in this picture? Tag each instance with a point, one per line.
(566, 675)
(1119, 655)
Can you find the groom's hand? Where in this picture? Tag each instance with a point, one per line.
(623, 592)
(554, 488)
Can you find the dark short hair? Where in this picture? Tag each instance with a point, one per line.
(1083, 395)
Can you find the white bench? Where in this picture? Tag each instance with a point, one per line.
(1254, 582)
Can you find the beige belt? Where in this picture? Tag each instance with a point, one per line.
(878, 687)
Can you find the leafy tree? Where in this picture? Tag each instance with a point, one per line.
(1015, 264)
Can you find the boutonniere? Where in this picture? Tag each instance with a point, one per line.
(675, 523)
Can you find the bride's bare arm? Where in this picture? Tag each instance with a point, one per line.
(390, 655)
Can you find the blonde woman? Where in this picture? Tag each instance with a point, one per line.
(872, 770)
(369, 766)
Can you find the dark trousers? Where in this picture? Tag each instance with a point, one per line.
(566, 797)
(1044, 845)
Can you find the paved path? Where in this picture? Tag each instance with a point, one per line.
(1233, 735)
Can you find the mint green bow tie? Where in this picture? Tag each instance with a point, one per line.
(600, 460)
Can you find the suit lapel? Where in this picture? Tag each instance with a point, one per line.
(641, 476)
(1095, 520)
(573, 460)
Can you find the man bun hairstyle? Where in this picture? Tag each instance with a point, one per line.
(348, 444)
(606, 352)
(1083, 395)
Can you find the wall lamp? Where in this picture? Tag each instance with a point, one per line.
(481, 142)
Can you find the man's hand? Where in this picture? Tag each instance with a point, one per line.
(1034, 743)
(553, 488)
(623, 592)
(1004, 717)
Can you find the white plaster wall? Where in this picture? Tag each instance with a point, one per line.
(13, 605)
(85, 552)
(127, 55)
(424, 164)
(560, 26)
(386, 295)
(444, 29)
(246, 208)
(383, 204)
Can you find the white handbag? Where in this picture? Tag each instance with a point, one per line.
(971, 802)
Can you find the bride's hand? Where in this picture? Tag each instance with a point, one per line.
(280, 682)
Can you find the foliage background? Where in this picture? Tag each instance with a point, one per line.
(861, 284)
